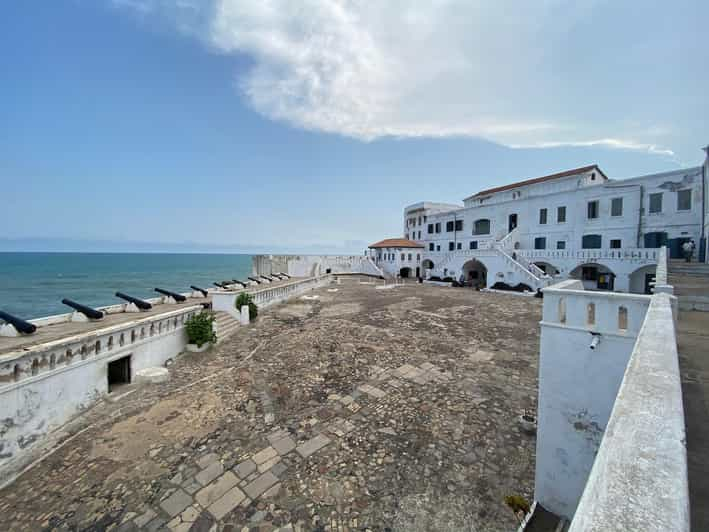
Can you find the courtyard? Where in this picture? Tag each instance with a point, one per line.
(352, 408)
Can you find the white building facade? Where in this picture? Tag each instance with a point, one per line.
(575, 224)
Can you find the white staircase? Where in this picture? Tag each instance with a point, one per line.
(533, 273)
(225, 325)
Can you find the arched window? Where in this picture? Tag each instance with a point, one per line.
(481, 227)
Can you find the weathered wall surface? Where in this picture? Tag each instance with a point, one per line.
(313, 265)
(578, 384)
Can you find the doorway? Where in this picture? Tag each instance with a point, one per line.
(118, 373)
(512, 224)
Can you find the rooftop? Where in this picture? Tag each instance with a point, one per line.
(363, 408)
(537, 180)
(396, 243)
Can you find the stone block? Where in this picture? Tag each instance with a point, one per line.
(208, 474)
(210, 493)
(312, 445)
(226, 503)
(176, 503)
(245, 468)
(261, 484)
(284, 445)
(264, 455)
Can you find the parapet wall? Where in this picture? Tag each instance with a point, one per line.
(314, 265)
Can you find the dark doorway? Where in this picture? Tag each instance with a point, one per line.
(676, 251)
(405, 273)
(418, 272)
(649, 281)
(512, 223)
(118, 373)
(655, 239)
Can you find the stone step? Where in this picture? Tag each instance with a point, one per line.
(225, 325)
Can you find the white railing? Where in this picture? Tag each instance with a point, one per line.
(644, 255)
(639, 477)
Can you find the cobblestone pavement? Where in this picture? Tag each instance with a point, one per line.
(356, 409)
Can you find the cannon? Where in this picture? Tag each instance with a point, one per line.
(18, 323)
(142, 305)
(269, 279)
(174, 295)
(242, 283)
(89, 312)
(254, 280)
(284, 275)
(198, 289)
(219, 285)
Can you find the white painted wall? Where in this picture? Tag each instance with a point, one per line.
(578, 385)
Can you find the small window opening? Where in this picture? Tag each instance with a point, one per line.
(591, 314)
(623, 318)
(118, 373)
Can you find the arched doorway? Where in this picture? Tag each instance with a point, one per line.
(475, 274)
(405, 272)
(594, 276)
(427, 266)
(641, 279)
(547, 268)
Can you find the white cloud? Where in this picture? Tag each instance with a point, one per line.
(367, 69)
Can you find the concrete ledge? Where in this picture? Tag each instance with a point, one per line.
(152, 375)
(639, 478)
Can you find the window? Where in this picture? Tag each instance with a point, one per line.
(459, 225)
(430, 229)
(655, 202)
(591, 242)
(419, 220)
(430, 246)
(592, 210)
(419, 235)
(481, 227)
(449, 226)
(684, 200)
(540, 242)
(542, 216)
(425, 218)
(615, 243)
(410, 256)
(451, 246)
(561, 244)
(418, 257)
(460, 245)
(617, 207)
(560, 214)
(438, 248)
(438, 227)
(473, 244)
(403, 256)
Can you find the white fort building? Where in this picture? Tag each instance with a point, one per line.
(577, 224)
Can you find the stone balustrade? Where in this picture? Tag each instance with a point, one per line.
(636, 255)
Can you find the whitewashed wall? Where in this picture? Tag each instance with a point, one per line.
(578, 385)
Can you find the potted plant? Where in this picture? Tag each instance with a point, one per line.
(200, 332)
(246, 299)
(528, 422)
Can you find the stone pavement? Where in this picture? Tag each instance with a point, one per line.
(361, 409)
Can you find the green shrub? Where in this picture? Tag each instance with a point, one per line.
(200, 328)
(245, 299)
(517, 504)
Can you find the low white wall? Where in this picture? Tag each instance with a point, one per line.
(313, 265)
(55, 381)
(639, 478)
(578, 384)
(225, 300)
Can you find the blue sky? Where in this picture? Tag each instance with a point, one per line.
(302, 124)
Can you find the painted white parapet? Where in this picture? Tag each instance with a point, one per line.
(314, 265)
(44, 385)
(586, 341)
(639, 477)
(225, 300)
(635, 255)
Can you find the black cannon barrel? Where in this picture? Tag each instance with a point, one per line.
(284, 275)
(242, 283)
(174, 295)
(19, 324)
(255, 280)
(220, 285)
(198, 289)
(267, 278)
(89, 312)
(144, 305)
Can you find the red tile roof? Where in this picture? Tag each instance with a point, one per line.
(536, 180)
(396, 243)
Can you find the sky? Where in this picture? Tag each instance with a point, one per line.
(309, 125)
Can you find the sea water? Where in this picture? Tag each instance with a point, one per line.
(33, 284)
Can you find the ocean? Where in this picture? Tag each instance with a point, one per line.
(32, 285)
